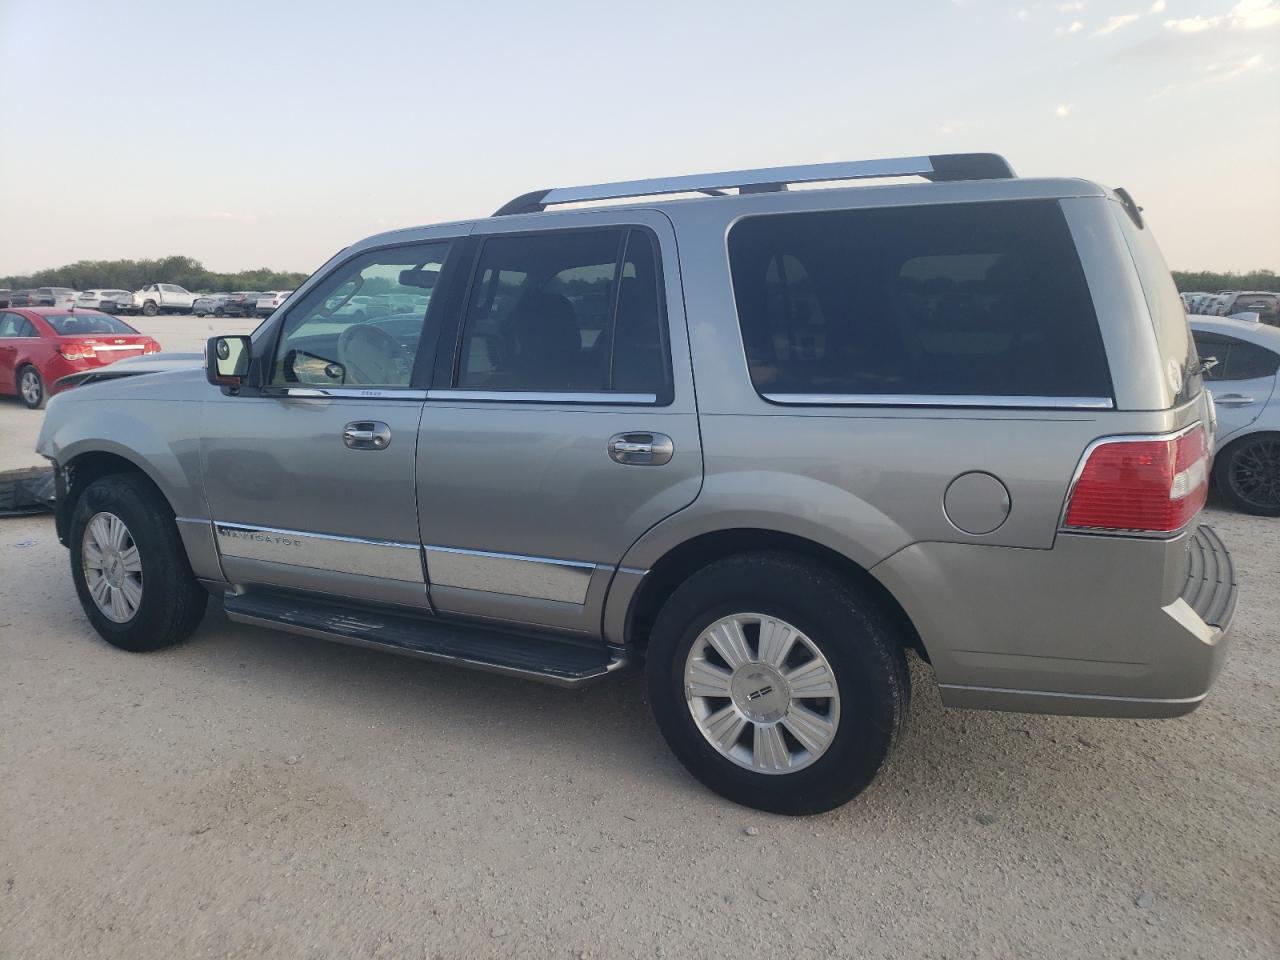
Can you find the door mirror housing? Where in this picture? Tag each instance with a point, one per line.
(226, 361)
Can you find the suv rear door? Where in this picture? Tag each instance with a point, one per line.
(563, 425)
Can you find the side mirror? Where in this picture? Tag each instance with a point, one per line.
(226, 361)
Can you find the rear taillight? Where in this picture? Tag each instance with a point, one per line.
(151, 347)
(77, 351)
(1148, 485)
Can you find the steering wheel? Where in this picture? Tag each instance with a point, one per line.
(372, 357)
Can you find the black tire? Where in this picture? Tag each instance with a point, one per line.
(41, 394)
(172, 602)
(1247, 474)
(840, 618)
(149, 309)
(219, 312)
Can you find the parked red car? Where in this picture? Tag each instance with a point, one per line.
(40, 345)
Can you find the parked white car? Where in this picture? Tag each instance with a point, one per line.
(164, 298)
(108, 301)
(270, 301)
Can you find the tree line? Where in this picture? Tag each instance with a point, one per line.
(1207, 281)
(136, 274)
(190, 273)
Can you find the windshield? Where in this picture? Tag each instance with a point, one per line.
(84, 324)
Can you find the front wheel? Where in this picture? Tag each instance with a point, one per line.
(777, 683)
(31, 387)
(129, 566)
(1248, 474)
(149, 309)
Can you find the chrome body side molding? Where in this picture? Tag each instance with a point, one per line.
(940, 400)
(371, 558)
(538, 578)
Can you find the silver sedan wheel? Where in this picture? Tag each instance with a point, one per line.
(30, 387)
(762, 693)
(112, 567)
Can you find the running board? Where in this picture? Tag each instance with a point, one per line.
(559, 661)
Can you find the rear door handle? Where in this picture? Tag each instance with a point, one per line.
(367, 435)
(641, 449)
(1235, 400)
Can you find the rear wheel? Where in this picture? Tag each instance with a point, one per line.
(31, 387)
(777, 683)
(129, 566)
(1248, 474)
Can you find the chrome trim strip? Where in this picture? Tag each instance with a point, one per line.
(103, 347)
(941, 400)
(358, 393)
(386, 559)
(693, 183)
(523, 396)
(1071, 696)
(537, 578)
(617, 662)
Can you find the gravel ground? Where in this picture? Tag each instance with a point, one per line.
(252, 794)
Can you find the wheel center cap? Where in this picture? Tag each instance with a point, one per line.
(760, 693)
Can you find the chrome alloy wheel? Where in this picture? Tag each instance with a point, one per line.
(112, 567)
(762, 693)
(30, 387)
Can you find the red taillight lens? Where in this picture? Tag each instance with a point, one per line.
(1153, 486)
(151, 347)
(77, 351)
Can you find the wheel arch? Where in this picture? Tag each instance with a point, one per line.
(84, 468)
(632, 624)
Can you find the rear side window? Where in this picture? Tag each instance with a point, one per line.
(1237, 360)
(906, 302)
(573, 311)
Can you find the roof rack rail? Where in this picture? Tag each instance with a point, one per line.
(940, 167)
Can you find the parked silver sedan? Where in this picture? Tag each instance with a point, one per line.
(1243, 383)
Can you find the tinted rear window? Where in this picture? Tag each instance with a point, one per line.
(941, 300)
(83, 324)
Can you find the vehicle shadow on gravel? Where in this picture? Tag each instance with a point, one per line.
(981, 766)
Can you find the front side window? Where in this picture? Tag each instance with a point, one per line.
(362, 326)
(939, 300)
(573, 311)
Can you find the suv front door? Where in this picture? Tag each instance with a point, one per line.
(311, 484)
(563, 425)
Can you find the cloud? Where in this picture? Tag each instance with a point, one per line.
(1115, 23)
(1023, 16)
(1255, 14)
(1076, 27)
(1195, 24)
(1158, 6)
(1245, 15)
(1216, 74)
(1070, 7)
(949, 128)
(1063, 110)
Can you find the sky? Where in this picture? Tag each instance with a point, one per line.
(250, 134)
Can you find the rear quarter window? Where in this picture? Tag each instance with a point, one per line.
(947, 300)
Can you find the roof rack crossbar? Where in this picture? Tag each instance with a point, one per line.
(940, 167)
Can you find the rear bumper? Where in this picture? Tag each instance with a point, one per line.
(1097, 626)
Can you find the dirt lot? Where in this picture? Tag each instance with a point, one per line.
(254, 794)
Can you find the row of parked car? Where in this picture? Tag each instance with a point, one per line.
(1265, 304)
(153, 299)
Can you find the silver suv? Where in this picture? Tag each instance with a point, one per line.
(763, 442)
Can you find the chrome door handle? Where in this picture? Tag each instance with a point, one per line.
(1234, 400)
(641, 449)
(366, 435)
